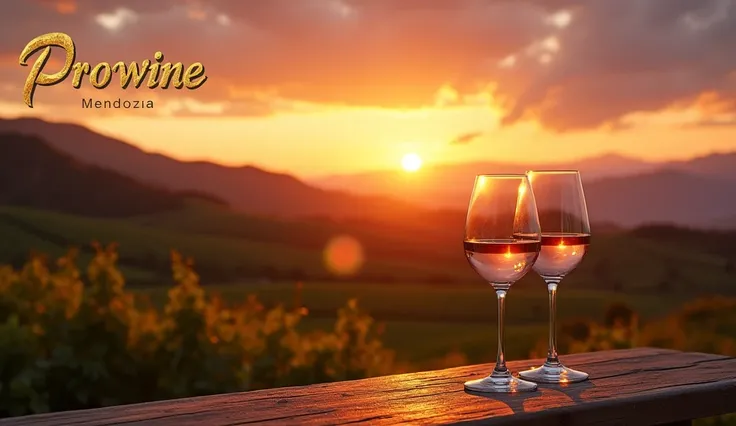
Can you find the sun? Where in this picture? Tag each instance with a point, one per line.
(411, 162)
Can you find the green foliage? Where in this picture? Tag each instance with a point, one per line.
(704, 325)
(73, 343)
(72, 340)
(726, 420)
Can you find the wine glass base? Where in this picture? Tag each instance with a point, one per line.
(554, 373)
(505, 383)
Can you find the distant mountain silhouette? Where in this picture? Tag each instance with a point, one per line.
(32, 174)
(246, 188)
(624, 191)
(723, 223)
(665, 196)
(621, 191)
(719, 166)
(443, 181)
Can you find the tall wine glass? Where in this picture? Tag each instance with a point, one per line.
(502, 241)
(565, 226)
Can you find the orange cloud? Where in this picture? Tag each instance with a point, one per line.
(66, 7)
(197, 14)
(575, 65)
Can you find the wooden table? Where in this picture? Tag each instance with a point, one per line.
(642, 386)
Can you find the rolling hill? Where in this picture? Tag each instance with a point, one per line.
(665, 196)
(145, 243)
(231, 247)
(724, 223)
(246, 188)
(660, 196)
(50, 201)
(621, 191)
(716, 166)
(444, 180)
(33, 174)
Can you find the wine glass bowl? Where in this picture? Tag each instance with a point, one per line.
(560, 254)
(501, 262)
(502, 242)
(563, 217)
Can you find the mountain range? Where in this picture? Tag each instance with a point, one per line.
(620, 190)
(33, 174)
(449, 185)
(446, 178)
(249, 189)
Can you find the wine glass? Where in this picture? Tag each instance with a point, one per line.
(502, 241)
(565, 227)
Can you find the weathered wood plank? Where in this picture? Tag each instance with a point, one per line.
(642, 386)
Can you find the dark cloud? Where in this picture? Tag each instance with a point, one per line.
(624, 56)
(615, 57)
(466, 138)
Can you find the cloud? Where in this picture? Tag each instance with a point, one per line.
(466, 138)
(626, 56)
(358, 53)
(569, 65)
(714, 122)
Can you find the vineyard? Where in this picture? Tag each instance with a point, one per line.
(73, 340)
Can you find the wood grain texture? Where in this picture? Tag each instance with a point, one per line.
(634, 387)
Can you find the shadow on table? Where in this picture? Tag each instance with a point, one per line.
(545, 397)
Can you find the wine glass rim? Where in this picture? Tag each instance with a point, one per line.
(560, 171)
(503, 175)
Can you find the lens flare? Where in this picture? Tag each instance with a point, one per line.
(344, 255)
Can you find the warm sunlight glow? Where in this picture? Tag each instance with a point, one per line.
(411, 162)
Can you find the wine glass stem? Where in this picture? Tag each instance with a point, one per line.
(552, 358)
(500, 358)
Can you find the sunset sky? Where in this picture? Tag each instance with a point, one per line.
(317, 87)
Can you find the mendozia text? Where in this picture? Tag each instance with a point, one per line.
(116, 104)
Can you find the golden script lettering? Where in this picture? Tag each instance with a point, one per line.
(161, 75)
